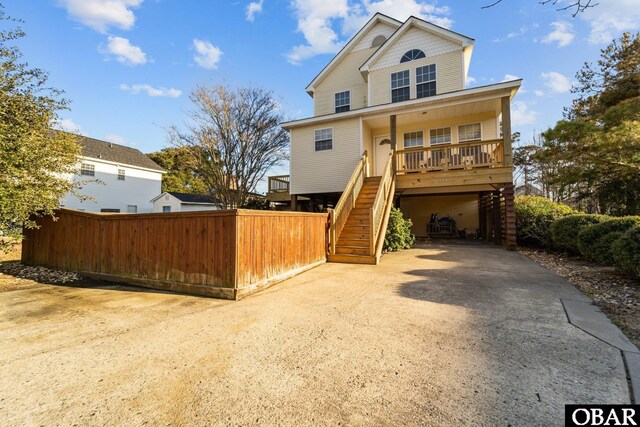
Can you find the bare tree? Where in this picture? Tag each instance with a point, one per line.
(234, 138)
(578, 6)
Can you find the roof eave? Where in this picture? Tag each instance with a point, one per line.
(512, 86)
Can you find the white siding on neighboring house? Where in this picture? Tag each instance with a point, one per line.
(324, 171)
(137, 189)
(176, 205)
(345, 76)
(449, 76)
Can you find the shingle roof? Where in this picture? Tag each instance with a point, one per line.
(111, 152)
(194, 198)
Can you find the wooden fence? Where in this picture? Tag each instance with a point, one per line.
(225, 254)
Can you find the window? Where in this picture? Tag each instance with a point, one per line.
(440, 136)
(472, 132)
(413, 161)
(400, 86)
(413, 139)
(426, 81)
(120, 174)
(343, 101)
(166, 209)
(132, 209)
(324, 139)
(412, 55)
(87, 169)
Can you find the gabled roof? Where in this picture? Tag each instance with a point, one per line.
(378, 17)
(103, 150)
(418, 23)
(194, 198)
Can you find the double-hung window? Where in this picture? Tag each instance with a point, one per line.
(400, 86)
(440, 136)
(324, 139)
(132, 208)
(471, 132)
(413, 161)
(343, 101)
(120, 174)
(426, 81)
(87, 169)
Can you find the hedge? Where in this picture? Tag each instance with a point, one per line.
(626, 252)
(565, 231)
(595, 241)
(398, 234)
(534, 216)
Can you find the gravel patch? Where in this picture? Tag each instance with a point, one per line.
(38, 274)
(617, 296)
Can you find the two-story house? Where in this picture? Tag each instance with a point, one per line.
(394, 124)
(115, 177)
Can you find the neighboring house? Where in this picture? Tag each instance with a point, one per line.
(117, 178)
(394, 124)
(183, 202)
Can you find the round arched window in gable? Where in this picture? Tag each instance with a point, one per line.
(412, 55)
(378, 41)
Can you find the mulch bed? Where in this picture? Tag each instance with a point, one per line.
(618, 296)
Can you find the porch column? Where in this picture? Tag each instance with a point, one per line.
(510, 217)
(482, 224)
(497, 219)
(392, 134)
(506, 130)
(294, 202)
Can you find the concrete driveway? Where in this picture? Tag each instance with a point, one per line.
(437, 335)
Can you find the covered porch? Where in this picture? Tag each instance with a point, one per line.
(452, 164)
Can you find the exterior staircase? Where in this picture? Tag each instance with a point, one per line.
(354, 245)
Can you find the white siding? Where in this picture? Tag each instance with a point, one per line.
(380, 29)
(449, 71)
(138, 188)
(345, 76)
(414, 38)
(324, 171)
(167, 200)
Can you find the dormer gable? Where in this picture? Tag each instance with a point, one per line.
(371, 35)
(421, 38)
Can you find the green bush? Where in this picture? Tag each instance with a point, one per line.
(565, 230)
(594, 242)
(534, 215)
(398, 232)
(626, 252)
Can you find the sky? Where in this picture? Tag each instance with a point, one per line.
(128, 66)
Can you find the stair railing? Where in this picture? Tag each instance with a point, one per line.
(379, 211)
(347, 201)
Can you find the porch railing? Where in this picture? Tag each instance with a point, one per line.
(279, 184)
(347, 201)
(467, 155)
(379, 212)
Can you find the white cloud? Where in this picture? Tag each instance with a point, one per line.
(539, 92)
(319, 21)
(68, 125)
(102, 14)
(521, 114)
(150, 90)
(610, 18)
(207, 55)
(254, 8)
(556, 82)
(471, 80)
(509, 77)
(125, 52)
(562, 34)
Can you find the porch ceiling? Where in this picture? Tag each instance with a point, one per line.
(436, 113)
